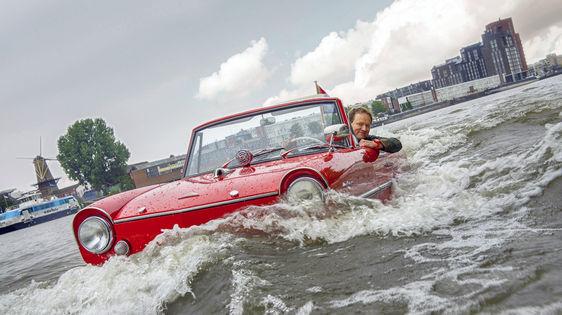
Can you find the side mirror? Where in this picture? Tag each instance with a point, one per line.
(336, 132)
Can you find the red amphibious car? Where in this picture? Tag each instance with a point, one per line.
(296, 150)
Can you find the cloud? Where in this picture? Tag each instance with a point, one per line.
(237, 76)
(289, 95)
(548, 42)
(407, 38)
(334, 57)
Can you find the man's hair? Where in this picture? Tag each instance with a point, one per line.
(358, 110)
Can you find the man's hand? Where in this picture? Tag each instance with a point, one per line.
(375, 144)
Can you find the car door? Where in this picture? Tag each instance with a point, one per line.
(359, 171)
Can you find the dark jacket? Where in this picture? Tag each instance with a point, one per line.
(390, 145)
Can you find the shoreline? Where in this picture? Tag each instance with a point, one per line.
(439, 105)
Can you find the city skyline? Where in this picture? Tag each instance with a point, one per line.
(499, 53)
(160, 71)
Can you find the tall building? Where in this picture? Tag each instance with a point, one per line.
(473, 62)
(449, 73)
(499, 53)
(503, 51)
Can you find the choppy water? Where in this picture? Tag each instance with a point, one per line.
(475, 227)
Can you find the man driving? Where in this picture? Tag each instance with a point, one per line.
(361, 120)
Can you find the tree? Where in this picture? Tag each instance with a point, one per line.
(5, 203)
(406, 106)
(296, 131)
(377, 107)
(314, 127)
(89, 153)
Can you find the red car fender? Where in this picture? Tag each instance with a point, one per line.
(113, 204)
(301, 172)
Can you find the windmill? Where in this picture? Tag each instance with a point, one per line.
(46, 183)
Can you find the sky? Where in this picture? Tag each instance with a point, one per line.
(153, 70)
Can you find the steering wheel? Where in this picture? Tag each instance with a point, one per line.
(294, 143)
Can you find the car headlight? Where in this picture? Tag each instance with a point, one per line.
(305, 188)
(95, 235)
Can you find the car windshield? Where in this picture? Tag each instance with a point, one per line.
(266, 134)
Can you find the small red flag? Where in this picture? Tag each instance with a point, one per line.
(319, 90)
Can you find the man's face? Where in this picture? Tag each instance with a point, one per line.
(361, 125)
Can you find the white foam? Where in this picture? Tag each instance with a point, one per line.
(415, 294)
(550, 309)
(315, 289)
(305, 309)
(275, 305)
(140, 284)
(243, 282)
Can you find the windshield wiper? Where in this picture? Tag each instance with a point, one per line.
(267, 151)
(321, 146)
(312, 147)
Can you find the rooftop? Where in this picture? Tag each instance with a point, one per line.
(145, 165)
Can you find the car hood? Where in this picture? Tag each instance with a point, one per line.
(205, 190)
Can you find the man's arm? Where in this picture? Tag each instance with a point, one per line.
(390, 145)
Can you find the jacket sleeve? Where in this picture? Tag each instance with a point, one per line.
(391, 145)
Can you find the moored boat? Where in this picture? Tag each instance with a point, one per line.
(34, 211)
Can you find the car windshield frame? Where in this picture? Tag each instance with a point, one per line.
(197, 143)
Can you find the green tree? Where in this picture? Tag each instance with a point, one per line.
(5, 202)
(89, 153)
(296, 131)
(406, 106)
(314, 127)
(377, 107)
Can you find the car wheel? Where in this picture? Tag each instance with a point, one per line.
(305, 188)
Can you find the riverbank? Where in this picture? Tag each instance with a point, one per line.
(439, 105)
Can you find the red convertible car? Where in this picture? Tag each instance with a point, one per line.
(295, 150)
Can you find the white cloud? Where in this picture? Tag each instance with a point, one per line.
(539, 46)
(290, 95)
(333, 59)
(237, 76)
(409, 37)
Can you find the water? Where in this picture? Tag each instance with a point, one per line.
(475, 226)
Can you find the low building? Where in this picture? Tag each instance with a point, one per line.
(390, 103)
(410, 89)
(544, 66)
(157, 172)
(422, 99)
(67, 191)
(465, 89)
